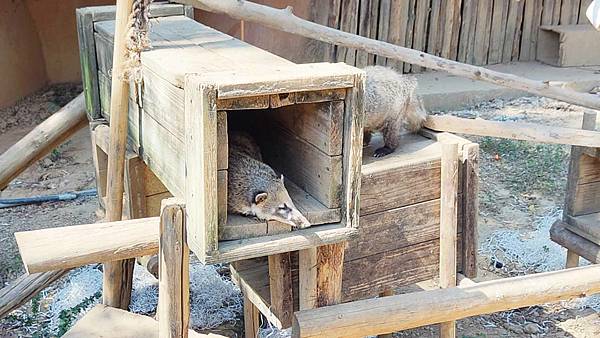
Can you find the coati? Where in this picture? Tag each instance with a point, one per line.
(253, 187)
(391, 103)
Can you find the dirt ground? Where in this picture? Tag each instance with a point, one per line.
(519, 182)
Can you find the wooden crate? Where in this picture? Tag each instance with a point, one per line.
(197, 84)
(398, 237)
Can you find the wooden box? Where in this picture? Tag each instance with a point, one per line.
(398, 237)
(197, 84)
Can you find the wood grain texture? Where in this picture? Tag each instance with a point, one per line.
(482, 31)
(394, 313)
(86, 244)
(173, 272)
(307, 278)
(469, 208)
(575, 243)
(399, 10)
(513, 31)
(280, 283)
(201, 166)
(87, 59)
(498, 31)
(467, 31)
(330, 265)
(251, 319)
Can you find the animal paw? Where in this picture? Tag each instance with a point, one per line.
(383, 151)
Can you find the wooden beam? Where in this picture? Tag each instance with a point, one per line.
(448, 225)
(514, 130)
(24, 288)
(42, 139)
(575, 243)
(116, 287)
(307, 278)
(280, 281)
(400, 312)
(470, 208)
(86, 244)
(251, 319)
(285, 20)
(174, 272)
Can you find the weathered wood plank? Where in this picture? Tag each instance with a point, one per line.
(513, 31)
(451, 12)
(467, 31)
(348, 23)
(319, 124)
(498, 31)
(280, 283)
(435, 32)
(410, 29)
(469, 208)
(482, 31)
(383, 28)
(87, 58)
(397, 31)
(420, 31)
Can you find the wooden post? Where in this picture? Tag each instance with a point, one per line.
(42, 139)
(116, 289)
(307, 275)
(448, 225)
(251, 319)
(280, 278)
(285, 20)
(174, 274)
(470, 208)
(588, 123)
(321, 275)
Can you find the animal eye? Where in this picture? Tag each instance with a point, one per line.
(283, 207)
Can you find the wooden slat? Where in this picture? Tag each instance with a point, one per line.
(330, 263)
(280, 285)
(420, 31)
(586, 226)
(251, 319)
(399, 11)
(569, 12)
(498, 31)
(482, 31)
(312, 170)
(435, 32)
(348, 23)
(87, 58)
(201, 166)
(364, 27)
(86, 244)
(319, 124)
(575, 243)
(513, 31)
(383, 28)
(451, 11)
(467, 31)
(469, 208)
(307, 278)
(410, 29)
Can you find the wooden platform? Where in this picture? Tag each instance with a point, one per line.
(103, 322)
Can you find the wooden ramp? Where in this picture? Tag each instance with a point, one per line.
(104, 321)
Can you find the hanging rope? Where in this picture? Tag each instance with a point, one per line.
(137, 39)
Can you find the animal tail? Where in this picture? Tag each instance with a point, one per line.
(415, 114)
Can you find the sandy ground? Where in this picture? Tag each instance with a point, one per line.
(519, 182)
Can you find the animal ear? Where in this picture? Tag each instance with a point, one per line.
(281, 178)
(260, 197)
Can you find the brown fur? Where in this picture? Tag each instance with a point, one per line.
(391, 103)
(253, 187)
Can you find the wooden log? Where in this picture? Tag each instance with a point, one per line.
(400, 312)
(448, 225)
(575, 243)
(514, 130)
(25, 287)
(48, 135)
(173, 272)
(116, 286)
(86, 244)
(284, 20)
(280, 278)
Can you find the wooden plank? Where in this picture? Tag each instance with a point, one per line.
(100, 159)
(243, 103)
(319, 124)
(537, 17)
(588, 169)
(282, 99)
(469, 208)
(579, 168)
(135, 188)
(420, 31)
(364, 27)
(240, 227)
(448, 226)
(231, 251)
(482, 32)
(514, 130)
(586, 226)
(513, 31)
(201, 166)
(87, 58)
(435, 32)
(313, 210)
(105, 13)
(498, 31)
(556, 12)
(312, 170)
(467, 31)
(548, 12)
(330, 262)
(450, 31)
(383, 27)
(153, 203)
(86, 244)
(280, 282)
(410, 28)
(579, 245)
(348, 23)
(394, 313)
(368, 276)
(586, 199)
(399, 11)
(173, 272)
(353, 146)
(307, 278)
(104, 57)
(320, 95)
(103, 321)
(251, 319)
(569, 12)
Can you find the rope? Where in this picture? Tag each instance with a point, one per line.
(137, 39)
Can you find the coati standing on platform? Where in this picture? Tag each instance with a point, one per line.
(391, 102)
(253, 188)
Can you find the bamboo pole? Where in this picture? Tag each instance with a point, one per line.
(116, 290)
(285, 20)
(401, 312)
(42, 139)
(448, 225)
